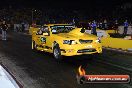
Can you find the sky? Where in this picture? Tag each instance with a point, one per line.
(89, 6)
(63, 3)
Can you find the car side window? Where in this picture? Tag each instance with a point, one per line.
(39, 32)
(43, 30)
(53, 30)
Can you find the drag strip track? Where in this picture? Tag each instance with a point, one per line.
(49, 73)
(126, 68)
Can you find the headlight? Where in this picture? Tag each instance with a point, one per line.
(70, 42)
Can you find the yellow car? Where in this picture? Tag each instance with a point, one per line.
(65, 40)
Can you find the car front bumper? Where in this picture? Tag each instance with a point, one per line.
(72, 52)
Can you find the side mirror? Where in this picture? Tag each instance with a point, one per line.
(34, 32)
(82, 30)
(45, 34)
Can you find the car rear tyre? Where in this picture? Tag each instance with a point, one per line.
(57, 53)
(34, 46)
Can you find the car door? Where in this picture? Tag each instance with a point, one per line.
(37, 37)
(44, 38)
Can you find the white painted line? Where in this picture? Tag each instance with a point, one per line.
(6, 81)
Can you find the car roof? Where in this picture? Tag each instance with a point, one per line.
(56, 24)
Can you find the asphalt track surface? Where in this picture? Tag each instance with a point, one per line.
(41, 70)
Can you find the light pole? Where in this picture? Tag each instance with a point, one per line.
(33, 15)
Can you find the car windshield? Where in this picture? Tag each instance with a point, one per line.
(61, 29)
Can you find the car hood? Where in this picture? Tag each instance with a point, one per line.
(76, 34)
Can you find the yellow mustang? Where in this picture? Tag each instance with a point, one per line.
(66, 40)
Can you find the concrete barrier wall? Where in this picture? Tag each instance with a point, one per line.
(121, 30)
(118, 43)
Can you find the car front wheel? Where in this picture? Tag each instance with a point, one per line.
(57, 53)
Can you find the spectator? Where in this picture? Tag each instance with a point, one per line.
(23, 26)
(100, 25)
(116, 26)
(125, 27)
(105, 26)
(4, 28)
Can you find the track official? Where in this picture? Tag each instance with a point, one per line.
(93, 25)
